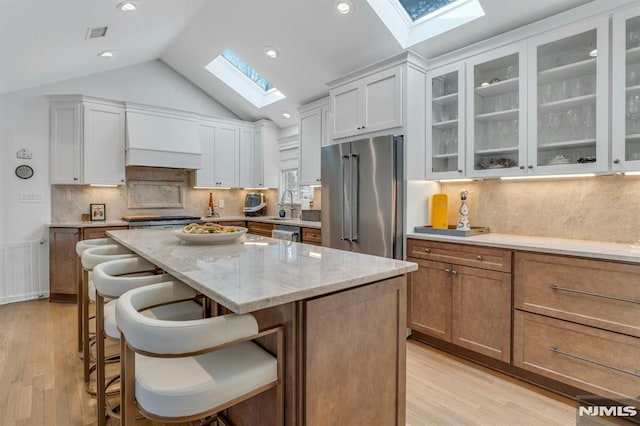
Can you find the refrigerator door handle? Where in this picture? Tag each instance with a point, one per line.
(355, 169)
(346, 200)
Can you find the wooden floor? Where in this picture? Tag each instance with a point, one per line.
(41, 380)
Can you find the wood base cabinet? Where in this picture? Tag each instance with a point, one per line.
(260, 228)
(64, 265)
(467, 306)
(588, 358)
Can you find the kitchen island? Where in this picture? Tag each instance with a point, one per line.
(344, 315)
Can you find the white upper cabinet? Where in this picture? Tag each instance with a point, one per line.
(247, 157)
(267, 155)
(313, 135)
(445, 89)
(87, 141)
(368, 105)
(220, 155)
(625, 133)
(568, 95)
(496, 119)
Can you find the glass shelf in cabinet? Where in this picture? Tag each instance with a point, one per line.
(633, 89)
(568, 102)
(444, 156)
(499, 88)
(445, 124)
(446, 99)
(578, 143)
(565, 72)
(493, 151)
(633, 55)
(498, 115)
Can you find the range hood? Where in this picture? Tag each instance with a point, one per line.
(159, 137)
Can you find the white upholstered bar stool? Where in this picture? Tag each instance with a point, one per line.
(83, 282)
(91, 258)
(179, 371)
(111, 280)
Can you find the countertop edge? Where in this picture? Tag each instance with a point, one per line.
(623, 252)
(96, 224)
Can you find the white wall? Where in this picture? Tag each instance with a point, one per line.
(24, 123)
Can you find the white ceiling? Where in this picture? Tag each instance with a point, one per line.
(43, 41)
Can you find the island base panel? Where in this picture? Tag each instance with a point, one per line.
(345, 359)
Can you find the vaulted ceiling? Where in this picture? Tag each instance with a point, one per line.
(43, 41)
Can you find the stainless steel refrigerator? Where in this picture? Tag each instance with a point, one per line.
(362, 196)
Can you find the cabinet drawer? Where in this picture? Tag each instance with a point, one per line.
(234, 223)
(461, 254)
(592, 292)
(598, 361)
(101, 232)
(312, 236)
(260, 228)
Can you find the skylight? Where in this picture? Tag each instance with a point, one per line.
(419, 8)
(247, 70)
(244, 79)
(414, 21)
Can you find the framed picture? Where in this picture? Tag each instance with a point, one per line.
(98, 211)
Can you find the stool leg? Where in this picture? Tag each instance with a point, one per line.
(100, 369)
(79, 302)
(128, 409)
(85, 328)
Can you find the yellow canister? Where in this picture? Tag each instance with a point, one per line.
(439, 211)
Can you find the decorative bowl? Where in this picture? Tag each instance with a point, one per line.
(215, 238)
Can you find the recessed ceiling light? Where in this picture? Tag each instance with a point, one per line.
(286, 115)
(270, 51)
(106, 54)
(593, 53)
(127, 6)
(344, 7)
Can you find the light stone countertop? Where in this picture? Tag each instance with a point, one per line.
(584, 248)
(259, 272)
(266, 219)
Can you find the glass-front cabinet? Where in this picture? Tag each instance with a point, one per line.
(445, 118)
(625, 133)
(568, 99)
(496, 113)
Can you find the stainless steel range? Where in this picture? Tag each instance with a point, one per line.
(149, 221)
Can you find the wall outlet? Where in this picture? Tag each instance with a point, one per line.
(221, 204)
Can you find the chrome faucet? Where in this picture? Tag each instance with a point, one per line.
(291, 207)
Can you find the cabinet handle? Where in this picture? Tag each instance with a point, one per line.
(592, 361)
(427, 250)
(317, 180)
(454, 272)
(530, 166)
(447, 270)
(479, 257)
(75, 178)
(588, 293)
(616, 161)
(521, 167)
(459, 171)
(363, 127)
(359, 128)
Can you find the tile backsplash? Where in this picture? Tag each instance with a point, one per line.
(69, 202)
(604, 208)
